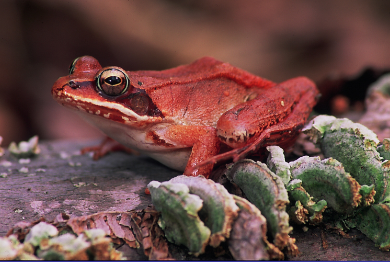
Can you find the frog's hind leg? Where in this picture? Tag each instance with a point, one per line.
(280, 133)
(213, 160)
(106, 146)
(287, 130)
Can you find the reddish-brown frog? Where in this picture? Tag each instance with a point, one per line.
(181, 116)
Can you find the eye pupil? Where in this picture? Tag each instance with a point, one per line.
(113, 80)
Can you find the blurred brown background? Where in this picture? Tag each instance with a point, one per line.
(275, 39)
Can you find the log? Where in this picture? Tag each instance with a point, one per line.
(60, 180)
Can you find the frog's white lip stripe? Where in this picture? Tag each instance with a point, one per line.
(127, 113)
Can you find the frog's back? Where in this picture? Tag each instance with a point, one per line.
(184, 73)
(199, 93)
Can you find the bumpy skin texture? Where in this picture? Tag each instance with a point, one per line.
(181, 116)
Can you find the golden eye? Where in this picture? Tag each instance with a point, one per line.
(72, 66)
(84, 64)
(112, 81)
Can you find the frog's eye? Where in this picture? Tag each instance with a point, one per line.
(84, 64)
(112, 82)
(72, 66)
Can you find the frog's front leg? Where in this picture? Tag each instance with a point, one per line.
(106, 146)
(203, 140)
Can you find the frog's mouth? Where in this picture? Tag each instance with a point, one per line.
(88, 101)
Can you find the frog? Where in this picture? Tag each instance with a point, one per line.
(191, 116)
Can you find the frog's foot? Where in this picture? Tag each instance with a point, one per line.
(108, 145)
(235, 154)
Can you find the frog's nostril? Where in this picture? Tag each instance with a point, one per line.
(73, 85)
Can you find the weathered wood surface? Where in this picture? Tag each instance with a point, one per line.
(77, 185)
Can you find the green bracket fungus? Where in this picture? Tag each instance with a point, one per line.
(347, 189)
(277, 164)
(354, 145)
(305, 209)
(326, 179)
(25, 148)
(384, 149)
(298, 213)
(179, 215)
(12, 249)
(44, 243)
(267, 192)
(63, 246)
(248, 239)
(40, 232)
(197, 212)
(219, 209)
(374, 222)
(368, 194)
